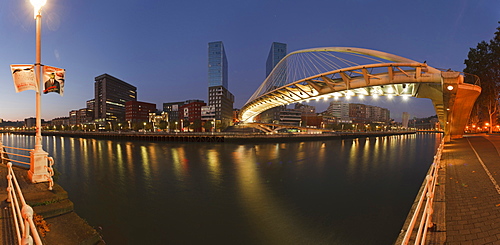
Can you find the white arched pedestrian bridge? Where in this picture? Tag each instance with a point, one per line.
(344, 72)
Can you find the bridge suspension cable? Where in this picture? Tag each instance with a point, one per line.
(309, 62)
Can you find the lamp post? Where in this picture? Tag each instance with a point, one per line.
(38, 4)
(38, 164)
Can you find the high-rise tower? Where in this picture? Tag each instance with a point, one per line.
(111, 94)
(217, 65)
(219, 97)
(277, 52)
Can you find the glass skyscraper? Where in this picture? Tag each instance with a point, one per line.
(219, 97)
(277, 52)
(217, 65)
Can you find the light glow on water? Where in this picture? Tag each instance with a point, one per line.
(353, 191)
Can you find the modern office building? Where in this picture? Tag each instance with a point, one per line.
(290, 117)
(218, 94)
(60, 121)
(272, 115)
(172, 109)
(90, 108)
(222, 100)
(217, 65)
(191, 111)
(31, 122)
(81, 116)
(340, 111)
(72, 117)
(111, 94)
(405, 118)
(138, 111)
(277, 52)
(208, 113)
(307, 110)
(378, 114)
(358, 113)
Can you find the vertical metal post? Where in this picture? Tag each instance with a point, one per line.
(38, 63)
(38, 162)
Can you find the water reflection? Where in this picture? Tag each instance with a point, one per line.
(212, 157)
(355, 191)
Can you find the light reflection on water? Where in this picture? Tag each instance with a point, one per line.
(325, 192)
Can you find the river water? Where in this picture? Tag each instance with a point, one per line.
(354, 191)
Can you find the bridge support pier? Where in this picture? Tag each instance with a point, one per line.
(458, 100)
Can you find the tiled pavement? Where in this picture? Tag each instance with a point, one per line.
(472, 200)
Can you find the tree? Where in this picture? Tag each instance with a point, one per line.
(196, 125)
(208, 125)
(484, 61)
(162, 124)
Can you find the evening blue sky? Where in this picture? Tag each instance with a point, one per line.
(161, 46)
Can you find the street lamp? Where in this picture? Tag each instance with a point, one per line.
(38, 171)
(38, 4)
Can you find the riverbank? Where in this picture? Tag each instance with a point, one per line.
(60, 224)
(214, 137)
(466, 200)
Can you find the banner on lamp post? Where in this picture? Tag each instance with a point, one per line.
(24, 77)
(53, 79)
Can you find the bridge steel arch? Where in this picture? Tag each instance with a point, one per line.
(452, 93)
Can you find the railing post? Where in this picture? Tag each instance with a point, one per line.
(1, 151)
(27, 213)
(9, 185)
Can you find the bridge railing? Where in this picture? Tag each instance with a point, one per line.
(22, 213)
(468, 78)
(471, 79)
(421, 220)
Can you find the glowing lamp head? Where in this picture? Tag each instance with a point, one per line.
(38, 4)
(450, 88)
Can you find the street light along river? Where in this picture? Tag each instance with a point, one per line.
(355, 191)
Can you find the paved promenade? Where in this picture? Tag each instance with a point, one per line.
(65, 226)
(467, 209)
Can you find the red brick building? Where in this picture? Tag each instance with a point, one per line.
(191, 111)
(138, 111)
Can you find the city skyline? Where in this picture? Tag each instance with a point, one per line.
(160, 47)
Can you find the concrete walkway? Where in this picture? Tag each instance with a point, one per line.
(66, 227)
(470, 192)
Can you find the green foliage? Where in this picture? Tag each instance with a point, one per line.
(484, 61)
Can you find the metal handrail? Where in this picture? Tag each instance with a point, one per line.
(468, 77)
(23, 214)
(50, 160)
(15, 154)
(428, 196)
